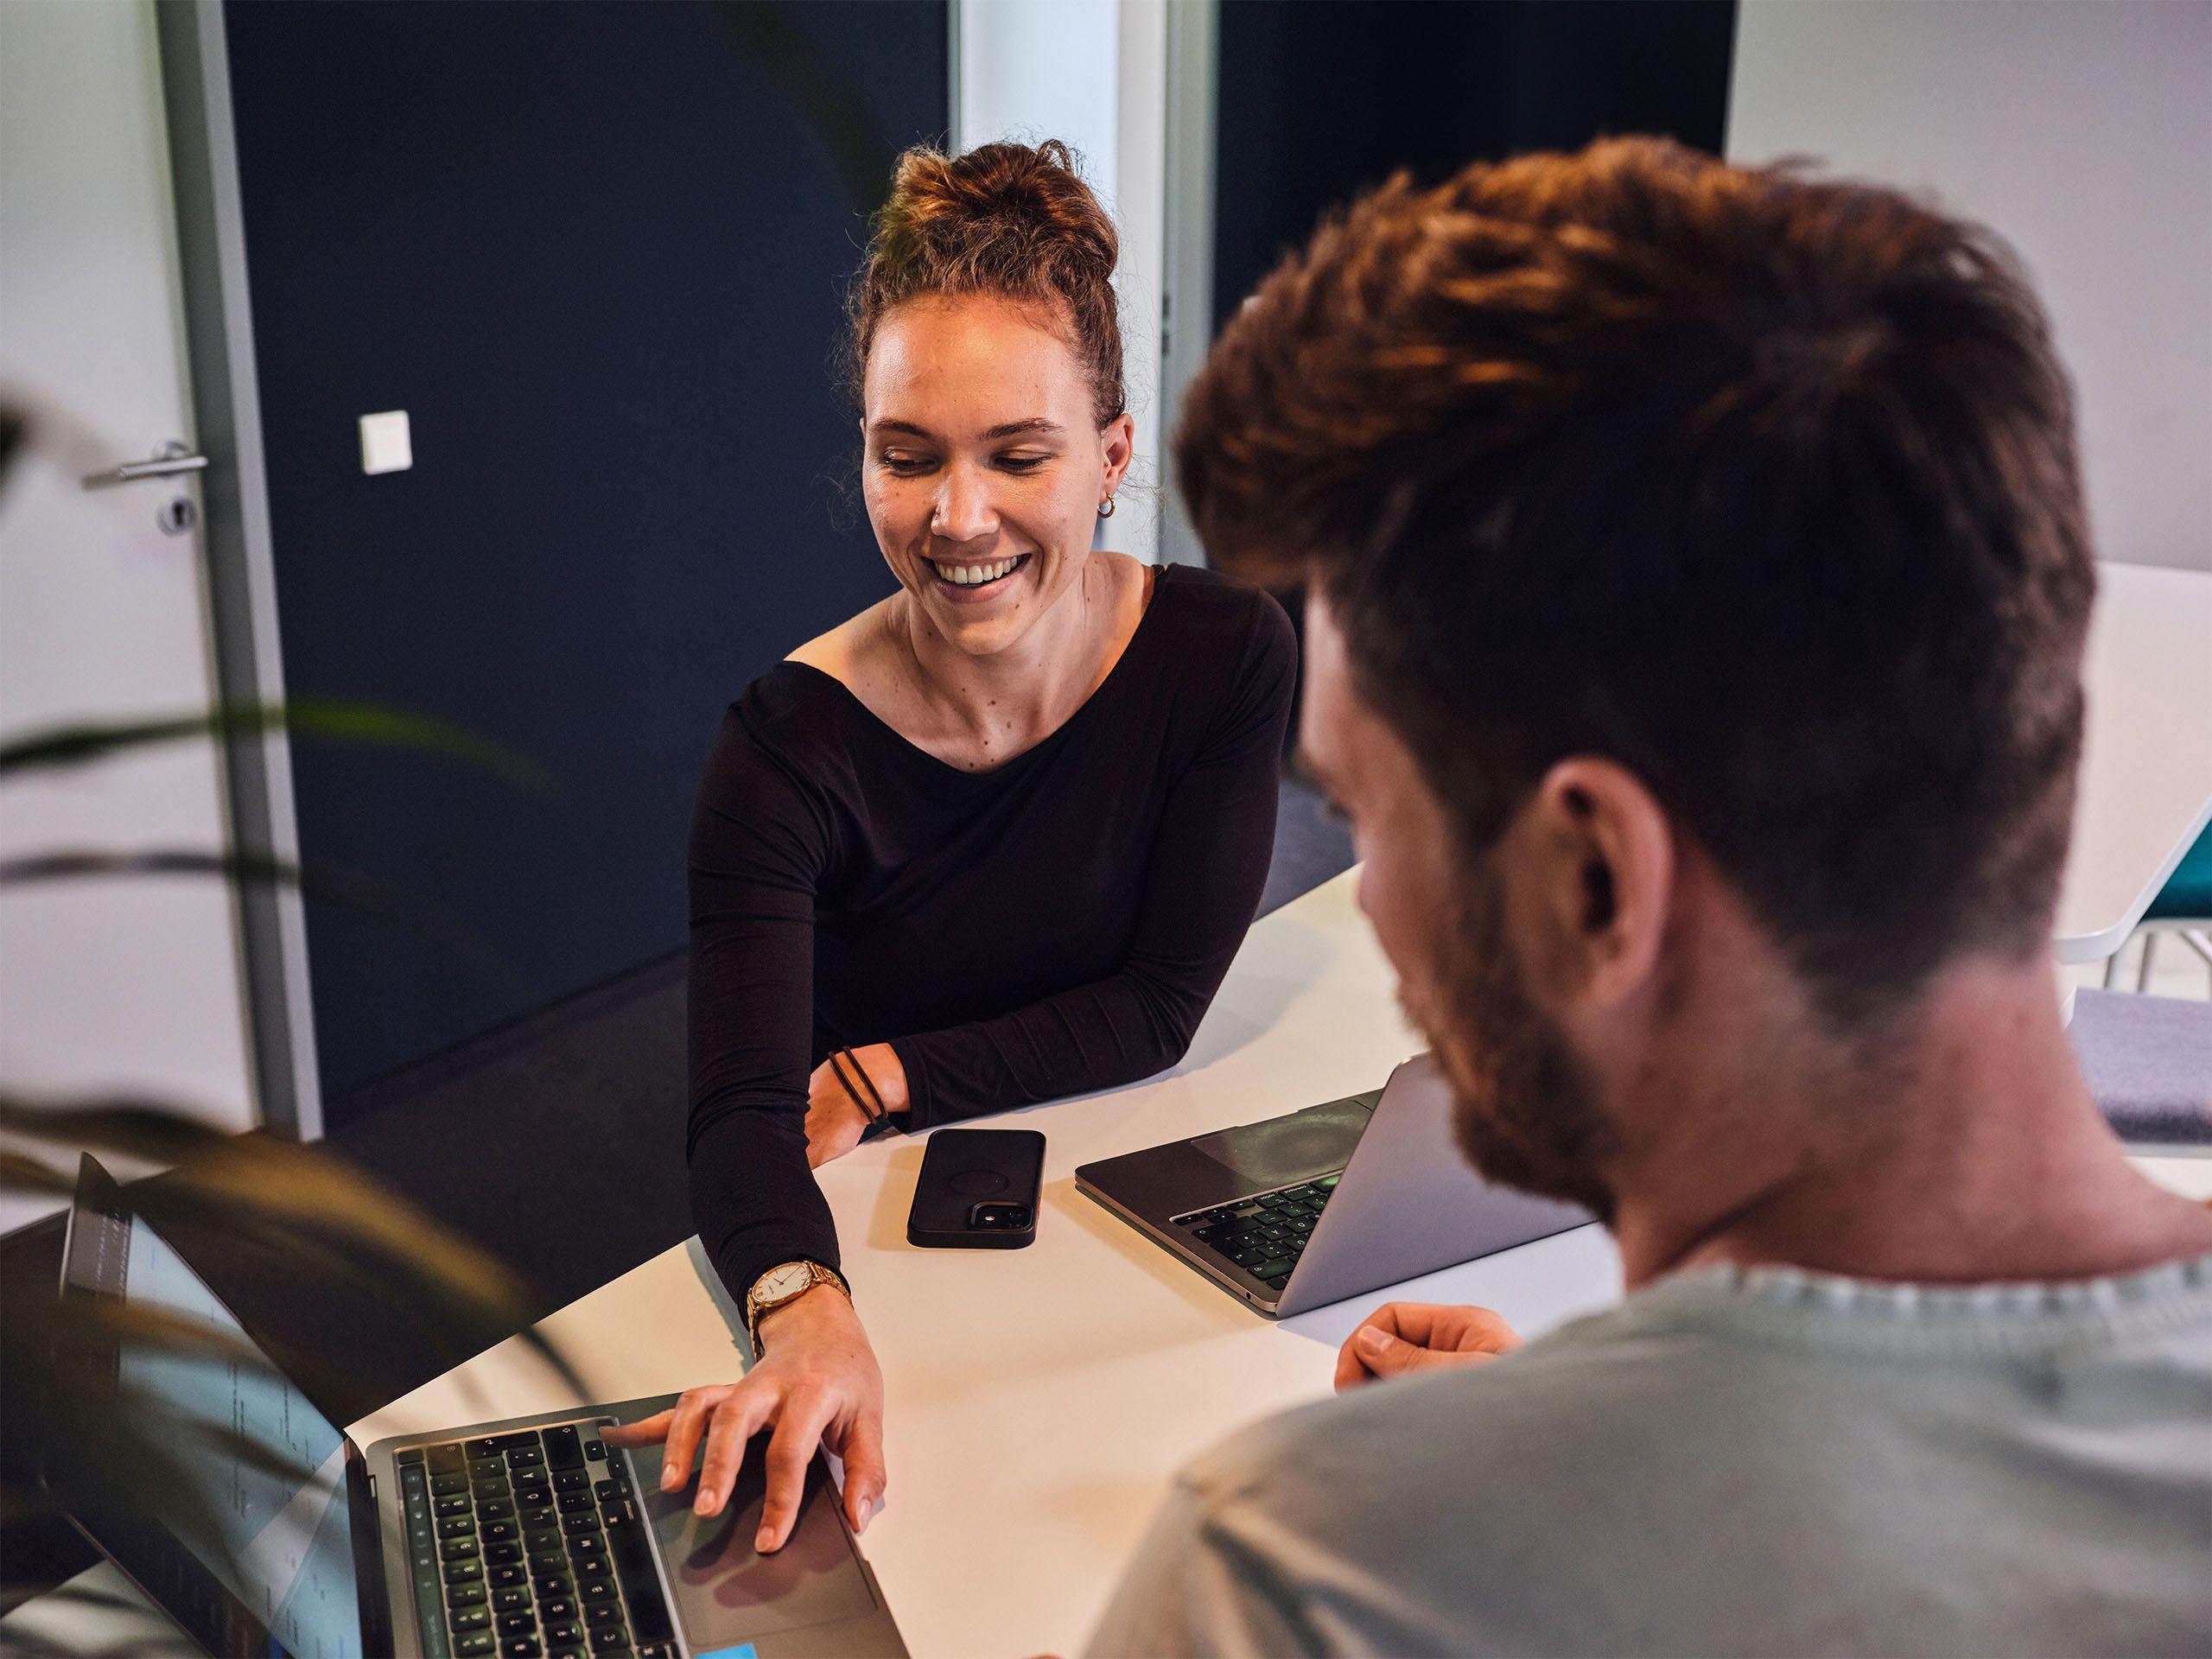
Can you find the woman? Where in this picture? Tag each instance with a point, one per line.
(993, 841)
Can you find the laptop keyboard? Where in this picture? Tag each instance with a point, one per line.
(529, 1546)
(1265, 1233)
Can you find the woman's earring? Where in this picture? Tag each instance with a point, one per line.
(1106, 508)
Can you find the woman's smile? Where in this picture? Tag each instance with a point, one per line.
(971, 582)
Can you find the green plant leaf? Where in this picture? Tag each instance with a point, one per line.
(339, 719)
(483, 959)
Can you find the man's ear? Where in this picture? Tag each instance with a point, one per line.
(1605, 850)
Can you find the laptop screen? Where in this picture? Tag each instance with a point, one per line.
(281, 1558)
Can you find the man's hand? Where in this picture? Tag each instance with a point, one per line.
(1401, 1337)
(834, 1121)
(817, 1383)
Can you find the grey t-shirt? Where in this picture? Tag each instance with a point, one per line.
(1768, 1462)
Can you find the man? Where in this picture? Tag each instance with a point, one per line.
(1698, 579)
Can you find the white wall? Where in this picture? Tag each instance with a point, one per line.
(115, 984)
(1090, 73)
(2081, 131)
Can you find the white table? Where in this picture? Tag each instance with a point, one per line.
(1041, 1399)
(2146, 763)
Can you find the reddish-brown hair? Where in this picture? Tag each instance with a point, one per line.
(1006, 219)
(1761, 484)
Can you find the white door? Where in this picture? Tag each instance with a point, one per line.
(110, 984)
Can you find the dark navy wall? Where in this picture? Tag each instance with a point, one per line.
(1320, 97)
(596, 251)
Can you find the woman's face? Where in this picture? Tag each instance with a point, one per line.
(983, 469)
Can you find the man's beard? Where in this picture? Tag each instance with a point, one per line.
(1524, 1111)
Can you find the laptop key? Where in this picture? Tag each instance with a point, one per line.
(522, 1646)
(504, 1578)
(601, 1614)
(521, 1457)
(597, 1590)
(456, 1526)
(462, 1620)
(494, 1509)
(502, 1554)
(521, 1624)
(1279, 1267)
(544, 1537)
(464, 1595)
(572, 1502)
(607, 1642)
(456, 1549)
(450, 1506)
(505, 1601)
(446, 1460)
(565, 1632)
(557, 1607)
(447, 1485)
(475, 1643)
(551, 1587)
(463, 1572)
(562, 1451)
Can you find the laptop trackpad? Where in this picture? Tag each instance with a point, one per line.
(728, 1593)
(1296, 1148)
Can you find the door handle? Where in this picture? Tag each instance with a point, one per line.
(169, 459)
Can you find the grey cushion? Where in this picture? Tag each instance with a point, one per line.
(2149, 1063)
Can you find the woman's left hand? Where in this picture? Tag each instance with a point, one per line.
(833, 1123)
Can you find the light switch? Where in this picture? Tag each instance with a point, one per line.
(385, 445)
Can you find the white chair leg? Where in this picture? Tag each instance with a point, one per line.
(2143, 974)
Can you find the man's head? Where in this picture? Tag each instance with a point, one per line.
(1699, 580)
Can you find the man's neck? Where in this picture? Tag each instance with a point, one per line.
(1965, 1149)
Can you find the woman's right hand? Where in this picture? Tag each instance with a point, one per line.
(816, 1382)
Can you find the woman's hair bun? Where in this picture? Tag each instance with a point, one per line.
(1011, 219)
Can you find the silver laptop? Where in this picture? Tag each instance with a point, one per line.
(524, 1539)
(1334, 1201)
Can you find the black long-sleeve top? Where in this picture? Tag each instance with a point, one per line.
(1055, 925)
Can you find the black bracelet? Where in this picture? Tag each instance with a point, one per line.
(847, 1084)
(868, 1083)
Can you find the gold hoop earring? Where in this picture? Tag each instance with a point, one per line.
(1106, 508)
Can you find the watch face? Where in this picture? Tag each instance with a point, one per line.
(786, 1280)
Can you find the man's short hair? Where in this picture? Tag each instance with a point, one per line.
(1762, 485)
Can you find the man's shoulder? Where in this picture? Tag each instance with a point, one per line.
(1531, 1415)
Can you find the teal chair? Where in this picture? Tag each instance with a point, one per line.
(2184, 907)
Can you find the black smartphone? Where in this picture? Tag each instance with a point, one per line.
(978, 1189)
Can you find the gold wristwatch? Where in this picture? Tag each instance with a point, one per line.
(785, 1283)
